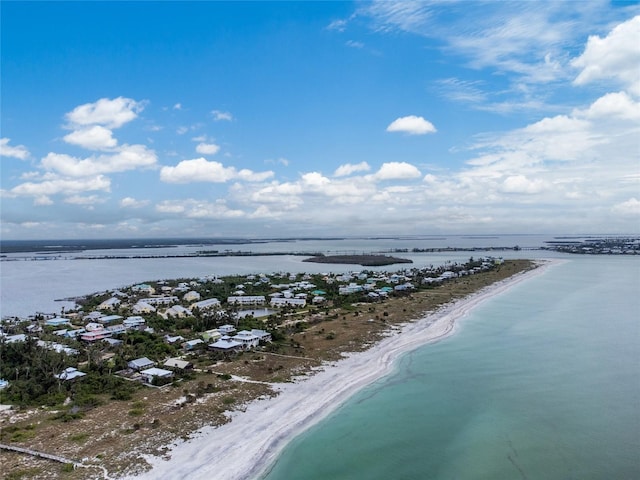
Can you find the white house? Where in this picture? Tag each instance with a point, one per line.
(143, 307)
(227, 329)
(191, 296)
(246, 300)
(226, 344)
(109, 304)
(191, 344)
(281, 302)
(247, 339)
(134, 322)
(140, 364)
(70, 373)
(178, 311)
(150, 373)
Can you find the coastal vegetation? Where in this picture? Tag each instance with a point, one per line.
(363, 260)
(111, 418)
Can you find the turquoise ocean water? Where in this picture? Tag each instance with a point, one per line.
(542, 382)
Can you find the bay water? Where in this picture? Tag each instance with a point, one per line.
(541, 382)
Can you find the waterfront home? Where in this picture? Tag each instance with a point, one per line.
(93, 326)
(143, 307)
(227, 329)
(226, 344)
(93, 316)
(282, 302)
(247, 339)
(143, 288)
(207, 304)
(246, 300)
(70, 373)
(109, 304)
(57, 322)
(57, 347)
(152, 373)
(191, 344)
(140, 364)
(21, 337)
(117, 329)
(191, 296)
(178, 364)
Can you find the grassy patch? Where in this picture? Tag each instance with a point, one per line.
(79, 437)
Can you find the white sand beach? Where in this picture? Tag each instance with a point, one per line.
(248, 445)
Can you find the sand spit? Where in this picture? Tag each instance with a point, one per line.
(248, 445)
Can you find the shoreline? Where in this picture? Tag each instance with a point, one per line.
(266, 426)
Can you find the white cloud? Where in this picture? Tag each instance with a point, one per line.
(612, 105)
(207, 148)
(95, 137)
(177, 106)
(616, 56)
(354, 44)
(396, 171)
(61, 185)
(42, 201)
(127, 157)
(339, 25)
(629, 208)
(521, 184)
(412, 124)
(110, 113)
(129, 202)
(349, 168)
(197, 209)
(201, 170)
(6, 150)
(83, 200)
(219, 115)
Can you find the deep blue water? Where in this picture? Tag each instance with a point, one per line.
(542, 382)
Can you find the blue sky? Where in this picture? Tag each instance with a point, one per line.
(261, 119)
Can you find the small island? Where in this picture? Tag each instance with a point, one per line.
(364, 260)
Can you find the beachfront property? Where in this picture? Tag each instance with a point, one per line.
(178, 363)
(163, 300)
(57, 322)
(247, 339)
(143, 288)
(226, 329)
(109, 304)
(150, 374)
(95, 335)
(109, 319)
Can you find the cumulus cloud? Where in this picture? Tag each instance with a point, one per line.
(202, 170)
(612, 105)
(521, 184)
(629, 208)
(396, 171)
(6, 150)
(83, 200)
(95, 137)
(198, 209)
(207, 148)
(127, 157)
(111, 113)
(219, 116)
(615, 56)
(61, 186)
(129, 202)
(412, 125)
(349, 168)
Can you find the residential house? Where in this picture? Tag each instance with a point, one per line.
(140, 364)
(281, 302)
(262, 335)
(246, 300)
(95, 335)
(191, 296)
(70, 373)
(143, 307)
(134, 322)
(109, 304)
(227, 329)
(152, 373)
(57, 322)
(178, 311)
(178, 364)
(211, 335)
(247, 339)
(109, 319)
(226, 344)
(191, 344)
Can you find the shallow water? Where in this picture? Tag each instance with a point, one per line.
(540, 382)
